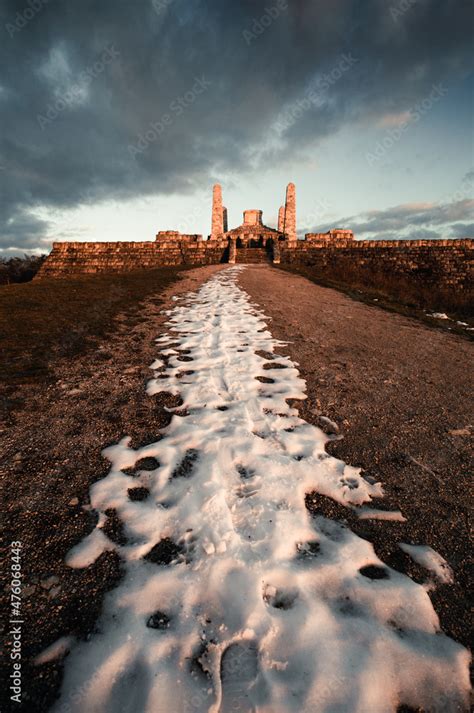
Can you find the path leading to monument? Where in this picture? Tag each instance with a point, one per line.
(235, 597)
(401, 395)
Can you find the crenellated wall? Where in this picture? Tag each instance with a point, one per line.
(422, 270)
(67, 259)
(444, 265)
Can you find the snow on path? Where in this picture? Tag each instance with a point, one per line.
(234, 597)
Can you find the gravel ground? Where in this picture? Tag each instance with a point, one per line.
(398, 391)
(401, 396)
(50, 454)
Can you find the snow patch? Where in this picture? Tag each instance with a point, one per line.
(430, 560)
(88, 550)
(57, 650)
(373, 514)
(234, 597)
(439, 315)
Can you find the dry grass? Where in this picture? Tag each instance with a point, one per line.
(42, 320)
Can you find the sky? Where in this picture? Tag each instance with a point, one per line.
(116, 118)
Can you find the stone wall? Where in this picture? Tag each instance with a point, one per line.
(399, 267)
(174, 235)
(444, 266)
(67, 259)
(331, 236)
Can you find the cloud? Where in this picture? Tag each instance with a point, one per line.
(399, 221)
(23, 232)
(462, 230)
(396, 119)
(55, 57)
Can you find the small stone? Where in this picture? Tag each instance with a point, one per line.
(158, 620)
(49, 582)
(460, 431)
(73, 502)
(329, 427)
(28, 591)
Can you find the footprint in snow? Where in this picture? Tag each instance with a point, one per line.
(239, 670)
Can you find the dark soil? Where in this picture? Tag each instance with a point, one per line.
(398, 391)
(393, 295)
(79, 362)
(400, 394)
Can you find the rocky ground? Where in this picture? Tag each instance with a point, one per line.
(400, 394)
(397, 391)
(50, 454)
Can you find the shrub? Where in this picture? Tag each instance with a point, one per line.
(19, 269)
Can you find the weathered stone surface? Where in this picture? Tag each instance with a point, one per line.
(217, 212)
(331, 235)
(88, 258)
(290, 212)
(232, 250)
(446, 264)
(253, 217)
(175, 235)
(281, 219)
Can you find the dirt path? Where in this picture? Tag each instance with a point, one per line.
(50, 455)
(401, 395)
(215, 567)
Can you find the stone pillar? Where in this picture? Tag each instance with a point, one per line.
(217, 227)
(232, 250)
(276, 251)
(290, 212)
(281, 219)
(224, 220)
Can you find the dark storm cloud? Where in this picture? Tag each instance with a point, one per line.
(462, 230)
(114, 99)
(411, 221)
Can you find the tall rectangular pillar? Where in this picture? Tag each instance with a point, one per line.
(290, 212)
(217, 226)
(281, 219)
